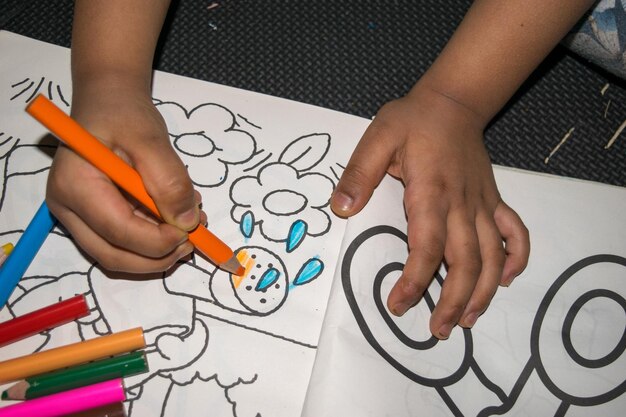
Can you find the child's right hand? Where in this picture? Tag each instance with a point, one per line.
(105, 222)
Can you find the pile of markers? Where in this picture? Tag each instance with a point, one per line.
(79, 380)
(84, 377)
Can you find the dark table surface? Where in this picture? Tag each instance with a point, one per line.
(353, 56)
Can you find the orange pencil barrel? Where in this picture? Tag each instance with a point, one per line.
(69, 355)
(122, 174)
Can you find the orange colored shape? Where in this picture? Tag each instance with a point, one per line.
(243, 258)
(69, 355)
(122, 174)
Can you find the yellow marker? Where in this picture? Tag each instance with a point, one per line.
(7, 248)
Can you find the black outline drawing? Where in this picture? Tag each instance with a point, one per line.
(27, 85)
(253, 300)
(534, 364)
(242, 145)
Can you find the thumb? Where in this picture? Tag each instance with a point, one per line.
(168, 183)
(366, 168)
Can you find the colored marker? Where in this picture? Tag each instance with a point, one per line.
(7, 248)
(70, 355)
(110, 410)
(43, 319)
(78, 376)
(122, 174)
(24, 252)
(73, 401)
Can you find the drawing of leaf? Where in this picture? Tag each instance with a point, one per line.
(268, 278)
(296, 235)
(309, 271)
(247, 224)
(306, 152)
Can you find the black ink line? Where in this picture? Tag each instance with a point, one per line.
(449, 402)
(513, 396)
(166, 398)
(36, 90)
(21, 92)
(50, 90)
(21, 82)
(302, 155)
(249, 122)
(61, 96)
(258, 163)
(562, 410)
(346, 279)
(489, 384)
(335, 174)
(243, 326)
(5, 141)
(536, 329)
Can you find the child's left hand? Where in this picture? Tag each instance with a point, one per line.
(434, 145)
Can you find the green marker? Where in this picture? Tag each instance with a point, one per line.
(78, 376)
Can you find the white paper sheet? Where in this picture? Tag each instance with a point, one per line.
(265, 167)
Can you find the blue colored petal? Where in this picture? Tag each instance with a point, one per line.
(296, 235)
(309, 271)
(268, 278)
(247, 224)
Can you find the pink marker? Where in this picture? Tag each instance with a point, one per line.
(72, 401)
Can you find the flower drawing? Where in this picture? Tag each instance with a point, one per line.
(208, 140)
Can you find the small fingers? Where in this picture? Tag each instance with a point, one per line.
(462, 254)
(365, 170)
(427, 230)
(116, 259)
(517, 242)
(167, 181)
(492, 255)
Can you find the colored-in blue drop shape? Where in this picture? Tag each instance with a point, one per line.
(247, 224)
(268, 278)
(309, 271)
(296, 235)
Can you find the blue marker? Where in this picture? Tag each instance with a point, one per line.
(24, 252)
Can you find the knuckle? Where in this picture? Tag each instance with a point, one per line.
(430, 252)
(412, 286)
(355, 175)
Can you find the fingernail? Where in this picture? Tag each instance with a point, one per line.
(343, 201)
(507, 280)
(187, 220)
(184, 250)
(400, 308)
(444, 331)
(470, 320)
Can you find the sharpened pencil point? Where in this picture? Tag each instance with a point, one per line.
(233, 266)
(7, 248)
(5, 396)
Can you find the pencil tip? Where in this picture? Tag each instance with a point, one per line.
(233, 266)
(5, 395)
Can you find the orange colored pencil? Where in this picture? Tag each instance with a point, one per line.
(126, 177)
(69, 355)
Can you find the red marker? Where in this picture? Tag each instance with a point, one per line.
(43, 319)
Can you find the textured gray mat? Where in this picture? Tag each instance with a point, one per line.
(353, 56)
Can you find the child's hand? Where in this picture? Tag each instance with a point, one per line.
(106, 223)
(434, 145)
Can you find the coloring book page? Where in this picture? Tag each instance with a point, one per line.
(306, 331)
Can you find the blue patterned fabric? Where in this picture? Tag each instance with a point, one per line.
(601, 36)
